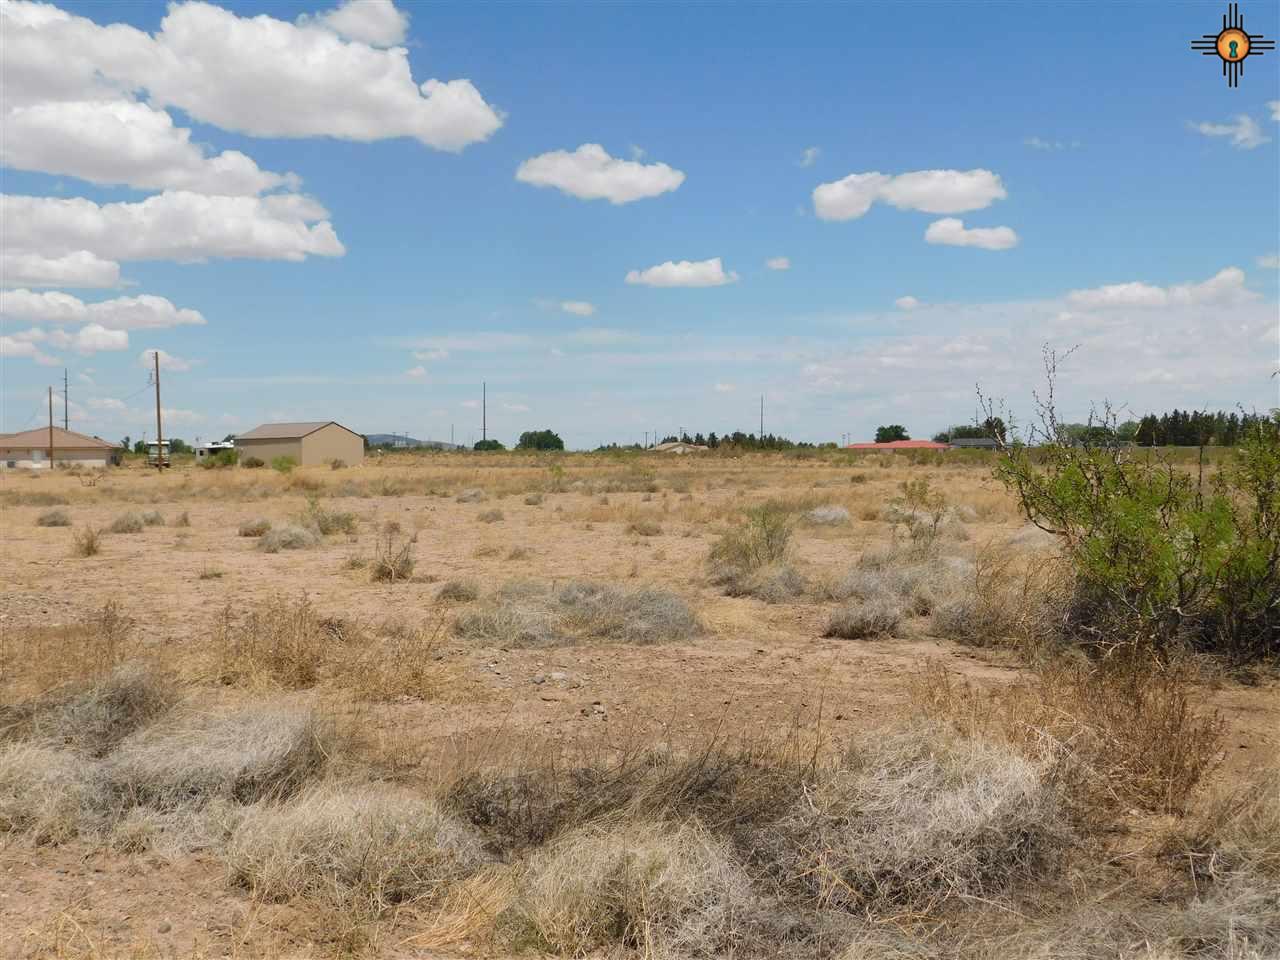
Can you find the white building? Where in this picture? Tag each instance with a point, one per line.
(30, 449)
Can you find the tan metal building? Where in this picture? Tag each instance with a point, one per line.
(30, 450)
(309, 444)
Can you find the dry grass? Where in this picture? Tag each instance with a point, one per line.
(643, 527)
(827, 516)
(53, 518)
(289, 537)
(152, 518)
(45, 793)
(127, 523)
(874, 617)
(534, 615)
(490, 516)
(254, 528)
(459, 591)
(38, 660)
(86, 542)
(392, 560)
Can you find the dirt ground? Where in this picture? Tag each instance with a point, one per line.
(758, 666)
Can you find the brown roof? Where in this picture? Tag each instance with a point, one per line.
(62, 440)
(288, 431)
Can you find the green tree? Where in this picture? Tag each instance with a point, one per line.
(488, 445)
(539, 440)
(894, 431)
(178, 445)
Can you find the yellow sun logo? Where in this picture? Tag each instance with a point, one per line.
(1232, 45)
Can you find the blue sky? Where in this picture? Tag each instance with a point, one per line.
(1134, 197)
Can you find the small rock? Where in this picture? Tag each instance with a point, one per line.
(539, 679)
(557, 675)
(164, 927)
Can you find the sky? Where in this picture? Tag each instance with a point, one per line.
(630, 218)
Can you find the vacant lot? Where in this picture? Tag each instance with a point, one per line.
(453, 705)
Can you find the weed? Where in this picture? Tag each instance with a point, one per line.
(289, 537)
(875, 617)
(393, 559)
(87, 542)
(153, 518)
(490, 516)
(53, 518)
(126, 523)
(644, 527)
(255, 528)
(458, 591)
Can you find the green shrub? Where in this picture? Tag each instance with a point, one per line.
(253, 463)
(223, 458)
(327, 521)
(1162, 556)
(283, 464)
(763, 540)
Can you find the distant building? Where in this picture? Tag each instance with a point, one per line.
(30, 449)
(679, 446)
(975, 443)
(158, 453)
(210, 449)
(309, 444)
(894, 445)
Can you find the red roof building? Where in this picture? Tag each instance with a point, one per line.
(900, 445)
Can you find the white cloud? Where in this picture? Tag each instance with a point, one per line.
(91, 338)
(810, 156)
(953, 233)
(124, 142)
(1243, 130)
(417, 372)
(254, 75)
(589, 173)
(930, 191)
(1270, 261)
(430, 354)
(107, 403)
(375, 22)
(515, 408)
(725, 388)
(78, 269)
(906, 303)
(685, 273)
(123, 313)
(177, 225)
(167, 361)
(1274, 107)
(778, 263)
(578, 307)
(470, 404)
(1038, 143)
(1225, 288)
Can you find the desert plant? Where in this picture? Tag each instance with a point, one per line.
(253, 463)
(490, 516)
(471, 495)
(392, 560)
(91, 717)
(533, 499)
(283, 464)
(48, 794)
(827, 516)
(127, 523)
(288, 537)
(644, 527)
(460, 591)
(874, 617)
(153, 518)
(183, 519)
(763, 539)
(53, 518)
(87, 542)
(337, 464)
(255, 528)
(326, 521)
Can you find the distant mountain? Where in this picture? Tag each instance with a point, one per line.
(400, 440)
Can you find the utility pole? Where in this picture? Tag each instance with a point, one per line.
(484, 411)
(159, 436)
(66, 403)
(51, 428)
(762, 417)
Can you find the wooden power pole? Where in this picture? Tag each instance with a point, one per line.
(159, 435)
(484, 411)
(762, 418)
(66, 402)
(51, 428)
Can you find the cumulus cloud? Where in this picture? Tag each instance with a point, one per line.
(375, 22)
(91, 338)
(952, 232)
(1244, 131)
(930, 191)
(255, 75)
(1270, 261)
(685, 273)
(124, 142)
(143, 312)
(13, 347)
(1224, 288)
(175, 225)
(589, 173)
(167, 361)
(580, 308)
(78, 269)
(778, 263)
(417, 372)
(810, 156)
(906, 303)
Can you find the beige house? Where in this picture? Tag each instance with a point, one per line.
(309, 444)
(30, 450)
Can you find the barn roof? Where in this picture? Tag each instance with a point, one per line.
(288, 431)
(62, 440)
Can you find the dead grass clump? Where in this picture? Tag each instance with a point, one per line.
(471, 495)
(93, 719)
(127, 523)
(530, 615)
(459, 591)
(392, 560)
(665, 891)
(280, 643)
(1136, 731)
(53, 518)
(326, 522)
(644, 527)
(255, 528)
(774, 583)
(490, 516)
(910, 822)
(244, 754)
(66, 656)
(47, 794)
(874, 617)
(19, 498)
(86, 542)
(153, 518)
(360, 849)
(289, 537)
(183, 519)
(533, 500)
(827, 516)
